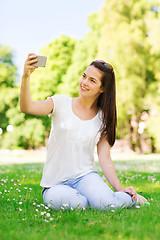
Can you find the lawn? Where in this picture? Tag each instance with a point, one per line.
(24, 216)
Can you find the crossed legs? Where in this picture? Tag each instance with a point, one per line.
(88, 190)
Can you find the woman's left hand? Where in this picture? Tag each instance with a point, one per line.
(131, 191)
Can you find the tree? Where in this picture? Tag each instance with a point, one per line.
(85, 52)
(127, 42)
(8, 70)
(8, 73)
(45, 81)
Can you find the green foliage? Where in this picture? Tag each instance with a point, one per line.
(59, 58)
(123, 33)
(126, 33)
(9, 109)
(7, 68)
(153, 129)
(30, 134)
(8, 92)
(85, 52)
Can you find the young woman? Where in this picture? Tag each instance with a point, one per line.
(78, 125)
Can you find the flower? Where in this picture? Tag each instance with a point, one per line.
(20, 203)
(20, 209)
(48, 214)
(42, 213)
(65, 205)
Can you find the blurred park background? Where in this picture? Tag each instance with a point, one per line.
(125, 33)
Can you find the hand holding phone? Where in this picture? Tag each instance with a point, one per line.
(41, 61)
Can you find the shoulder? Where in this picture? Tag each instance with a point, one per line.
(59, 96)
(100, 115)
(59, 102)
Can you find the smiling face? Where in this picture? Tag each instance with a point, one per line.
(90, 83)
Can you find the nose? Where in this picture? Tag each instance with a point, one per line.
(85, 82)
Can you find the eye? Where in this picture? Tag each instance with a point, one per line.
(84, 74)
(92, 80)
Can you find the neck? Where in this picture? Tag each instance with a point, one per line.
(88, 102)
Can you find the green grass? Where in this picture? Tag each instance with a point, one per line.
(21, 199)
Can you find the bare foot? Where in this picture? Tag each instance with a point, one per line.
(141, 199)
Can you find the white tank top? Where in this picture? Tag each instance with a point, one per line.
(71, 143)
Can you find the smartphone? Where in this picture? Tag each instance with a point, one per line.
(41, 61)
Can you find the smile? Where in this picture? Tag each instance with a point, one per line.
(84, 89)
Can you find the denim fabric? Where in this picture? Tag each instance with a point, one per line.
(88, 190)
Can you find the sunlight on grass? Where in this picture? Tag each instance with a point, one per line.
(23, 210)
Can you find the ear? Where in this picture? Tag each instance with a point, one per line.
(101, 89)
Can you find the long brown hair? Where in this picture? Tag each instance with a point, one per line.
(107, 101)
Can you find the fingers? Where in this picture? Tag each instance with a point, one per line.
(134, 197)
(132, 192)
(28, 67)
(32, 58)
(32, 55)
(29, 62)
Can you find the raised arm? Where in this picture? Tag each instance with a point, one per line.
(43, 107)
(107, 166)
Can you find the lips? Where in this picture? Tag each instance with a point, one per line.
(84, 89)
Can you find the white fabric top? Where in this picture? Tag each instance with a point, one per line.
(70, 149)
